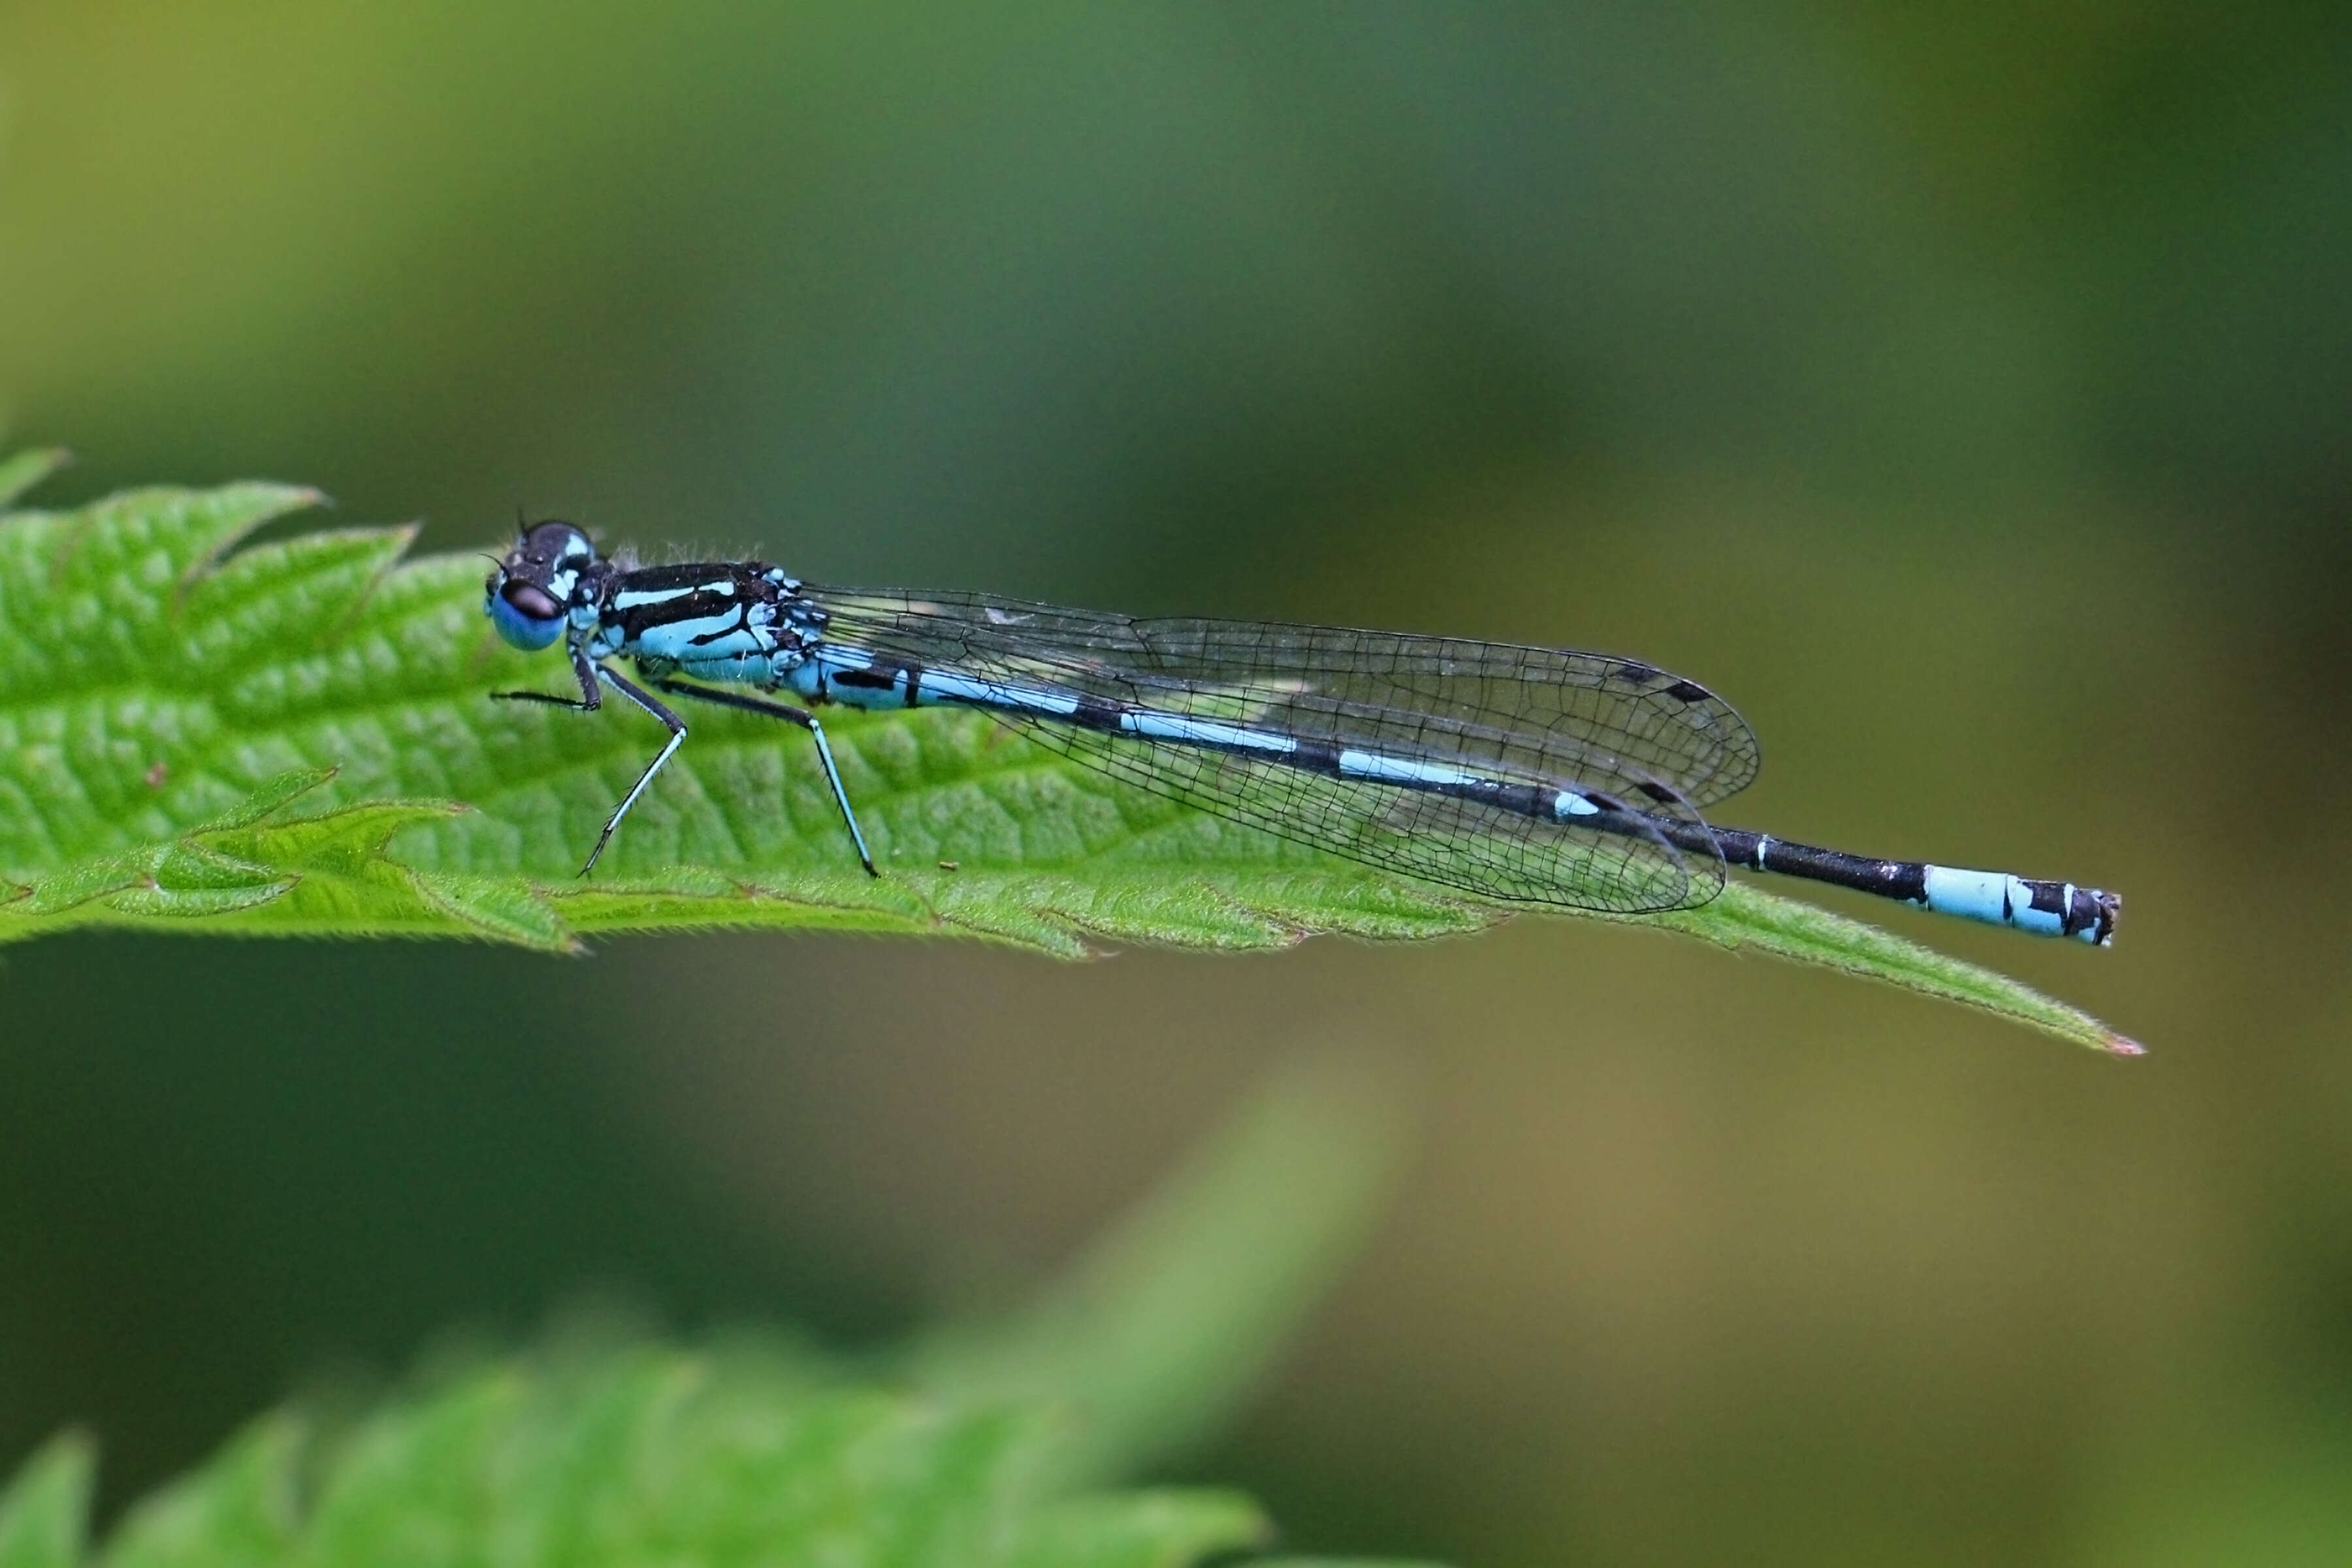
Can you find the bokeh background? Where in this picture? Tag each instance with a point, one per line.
(1965, 392)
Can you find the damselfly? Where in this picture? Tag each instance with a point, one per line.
(1529, 776)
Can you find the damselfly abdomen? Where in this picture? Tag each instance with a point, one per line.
(1529, 776)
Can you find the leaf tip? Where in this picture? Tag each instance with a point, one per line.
(25, 470)
(272, 795)
(45, 1506)
(2120, 1045)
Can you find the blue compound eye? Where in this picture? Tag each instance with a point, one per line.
(526, 615)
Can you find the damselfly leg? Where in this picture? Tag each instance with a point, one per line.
(790, 715)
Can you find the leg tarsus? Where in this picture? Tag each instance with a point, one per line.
(574, 704)
(841, 797)
(584, 670)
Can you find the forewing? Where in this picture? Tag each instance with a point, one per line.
(1620, 714)
(1537, 716)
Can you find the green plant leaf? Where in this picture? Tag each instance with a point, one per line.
(27, 469)
(297, 739)
(45, 1512)
(605, 1449)
(638, 1454)
(242, 1508)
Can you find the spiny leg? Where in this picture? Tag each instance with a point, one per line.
(807, 721)
(676, 728)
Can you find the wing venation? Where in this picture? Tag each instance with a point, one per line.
(1539, 716)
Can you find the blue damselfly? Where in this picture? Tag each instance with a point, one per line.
(1526, 776)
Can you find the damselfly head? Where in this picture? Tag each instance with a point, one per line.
(529, 594)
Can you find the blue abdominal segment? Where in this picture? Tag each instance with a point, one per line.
(2042, 908)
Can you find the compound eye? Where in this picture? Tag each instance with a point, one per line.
(530, 600)
(526, 614)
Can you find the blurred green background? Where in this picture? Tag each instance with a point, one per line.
(1965, 393)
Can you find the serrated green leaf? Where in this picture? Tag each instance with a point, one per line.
(45, 1512)
(603, 1449)
(298, 738)
(1744, 920)
(650, 1454)
(642, 1454)
(241, 1509)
